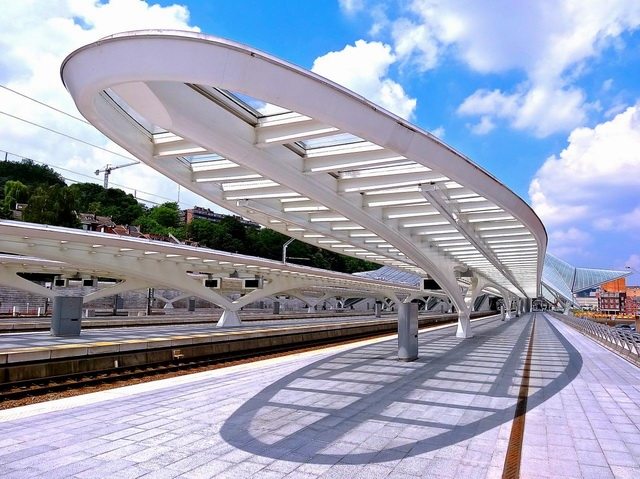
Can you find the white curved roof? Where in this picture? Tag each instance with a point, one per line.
(304, 156)
(181, 267)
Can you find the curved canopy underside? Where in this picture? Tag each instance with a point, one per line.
(306, 157)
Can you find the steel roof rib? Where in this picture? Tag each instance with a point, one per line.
(306, 157)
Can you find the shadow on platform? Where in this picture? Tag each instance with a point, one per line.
(363, 406)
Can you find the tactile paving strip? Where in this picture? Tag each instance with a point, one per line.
(514, 450)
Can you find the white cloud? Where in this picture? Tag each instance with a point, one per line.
(543, 38)
(34, 41)
(363, 68)
(607, 84)
(351, 7)
(594, 182)
(571, 242)
(484, 127)
(541, 109)
(548, 40)
(415, 41)
(630, 221)
(438, 132)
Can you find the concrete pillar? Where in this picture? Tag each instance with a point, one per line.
(229, 318)
(464, 325)
(408, 332)
(507, 306)
(66, 316)
(567, 309)
(191, 304)
(377, 309)
(276, 307)
(502, 312)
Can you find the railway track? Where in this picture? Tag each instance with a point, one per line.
(17, 393)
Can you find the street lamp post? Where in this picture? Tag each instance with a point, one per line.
(284, 249)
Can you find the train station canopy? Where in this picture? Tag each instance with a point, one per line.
(302, 155)
(142, 263)
(560, 279)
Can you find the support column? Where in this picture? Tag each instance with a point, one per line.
(377, 309)
(276, 307)
(567, 308)
(229, 318)
(66, 316)
(408, 332)
(507, 305)
(502, 312)
(464, 325)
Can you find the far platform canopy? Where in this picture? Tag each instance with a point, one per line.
(304, 156)
(560, 279)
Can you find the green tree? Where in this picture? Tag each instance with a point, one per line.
(123, 208)
(230, 234)
(29, 174)
(87, 194)
(234, 236)
(162, 220)
(203, 232)
(53, 205)
(15, 191)
(166, 214)
(266, 242)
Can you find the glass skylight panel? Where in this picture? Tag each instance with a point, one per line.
(256, 107)
(587, 278)
(133, 114)
(202, 158)
(560, 269)
(331, 140)
(262, 107)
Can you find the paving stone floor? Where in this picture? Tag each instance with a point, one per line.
(352, 412)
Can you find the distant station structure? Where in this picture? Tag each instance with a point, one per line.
(562, 282)
(297, 153)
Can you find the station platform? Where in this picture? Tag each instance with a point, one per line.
(36, 355)
(164, 318)
(354, 411)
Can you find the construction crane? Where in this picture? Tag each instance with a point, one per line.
(109, 168)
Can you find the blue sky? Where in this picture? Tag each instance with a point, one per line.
(542, 94)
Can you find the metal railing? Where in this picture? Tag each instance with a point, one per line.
(623, 341)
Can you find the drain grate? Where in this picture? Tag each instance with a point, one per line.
(514, 450)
